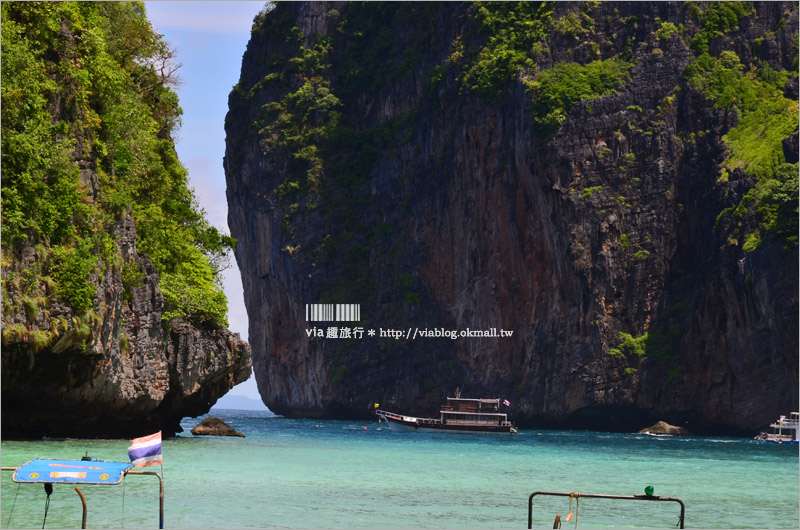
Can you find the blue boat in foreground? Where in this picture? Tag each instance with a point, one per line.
(86, 471)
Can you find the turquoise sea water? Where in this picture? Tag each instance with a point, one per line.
(334, 474)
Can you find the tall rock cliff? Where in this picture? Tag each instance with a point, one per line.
(616, 183)
(113, 321)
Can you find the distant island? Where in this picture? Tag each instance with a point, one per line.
(235, 402)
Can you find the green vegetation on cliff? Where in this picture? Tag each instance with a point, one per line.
(557, 89)
(716, 19)
(514, 37)
(512, 30)
(765, 118)
(88, 116)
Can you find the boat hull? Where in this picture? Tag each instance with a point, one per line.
(412, 424)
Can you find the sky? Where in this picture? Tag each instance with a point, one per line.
(209, 39)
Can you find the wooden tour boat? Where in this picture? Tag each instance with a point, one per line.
(461, 415)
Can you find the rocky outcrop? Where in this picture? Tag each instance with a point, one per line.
(119, 371)
(113, 319)
(664, 428)
(215, 427)
(430, 193)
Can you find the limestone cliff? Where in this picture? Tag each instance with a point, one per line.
(600, 178)
(113, 320)
(121, 370)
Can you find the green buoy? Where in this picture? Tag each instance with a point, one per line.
(648, 490)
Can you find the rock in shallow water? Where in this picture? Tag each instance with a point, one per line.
(662, 427)
(215, 427)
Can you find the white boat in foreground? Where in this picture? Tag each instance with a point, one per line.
(784, 431)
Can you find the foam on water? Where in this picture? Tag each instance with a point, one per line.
(331, 474)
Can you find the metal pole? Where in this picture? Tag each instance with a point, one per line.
(530, 510)
(160, 494)
(83, 501)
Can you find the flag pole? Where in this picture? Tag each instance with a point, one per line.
(143, 452)
(161, 500)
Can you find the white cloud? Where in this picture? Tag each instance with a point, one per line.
(207, 17)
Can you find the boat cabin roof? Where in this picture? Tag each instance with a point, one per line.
(475, 412)
(71, 471)
(474, 400)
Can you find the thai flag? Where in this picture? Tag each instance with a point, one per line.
(146, 451)
(507, 403)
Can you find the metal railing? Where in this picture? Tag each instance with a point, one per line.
(129, 472)
(602, 496)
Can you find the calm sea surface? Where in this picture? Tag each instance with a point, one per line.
(333, 474)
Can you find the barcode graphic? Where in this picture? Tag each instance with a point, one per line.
(348, 312)
(333, 312)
